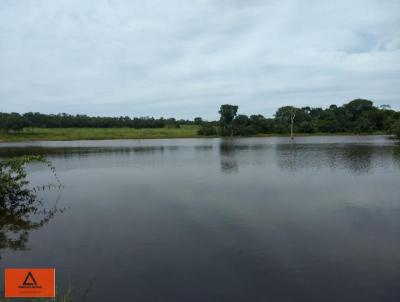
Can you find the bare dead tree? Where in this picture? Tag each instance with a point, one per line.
(292, 117)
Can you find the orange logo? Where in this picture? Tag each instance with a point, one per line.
(30, 283)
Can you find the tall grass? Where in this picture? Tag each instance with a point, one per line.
(98, 133)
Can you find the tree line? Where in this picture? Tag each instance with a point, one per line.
(16, 122)
(357, 116)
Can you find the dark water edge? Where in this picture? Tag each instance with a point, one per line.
(252, 219)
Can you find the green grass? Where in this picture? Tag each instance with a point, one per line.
(65, 134)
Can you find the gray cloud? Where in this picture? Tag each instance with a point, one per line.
(184, 58)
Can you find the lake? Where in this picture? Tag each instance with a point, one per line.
(251, 219)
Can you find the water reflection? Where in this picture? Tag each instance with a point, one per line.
(228, 159)
(224, 220)
(356, 159)
(22, 210)
(82, 151)
(17, 222)
(356, 155)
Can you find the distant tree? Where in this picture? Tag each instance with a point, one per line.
(292, 117)
(241, 119)
(357, 116)
(315, 112)
(227, 114)
(198, 120)
(243, 126)
(260, 124)
(11, 121)
(171, 123)
(357, 107)
(389, 118)
(306, 127)
(287, 115)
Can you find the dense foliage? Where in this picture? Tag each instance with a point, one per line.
(228, 114)
(14, 190)
(15, 121)
(207, 128)
(396, 128)
(357, 116)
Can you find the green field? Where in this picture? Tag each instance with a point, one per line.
(64, 134)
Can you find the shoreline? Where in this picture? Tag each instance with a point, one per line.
(81, 134)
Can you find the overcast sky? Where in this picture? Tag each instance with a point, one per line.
(185, 58)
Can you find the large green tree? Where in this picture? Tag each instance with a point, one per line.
(227, 114)
(286, 116)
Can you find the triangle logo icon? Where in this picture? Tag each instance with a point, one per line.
(29, 280)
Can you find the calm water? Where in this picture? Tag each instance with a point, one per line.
(258, 219)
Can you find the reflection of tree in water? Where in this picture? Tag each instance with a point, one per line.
(396, 155)
(66, 152)
(15, 225)
(358, 159)
(228, 159)
(21, 210)
(287, 156)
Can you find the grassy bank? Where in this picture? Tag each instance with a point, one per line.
(66, 134)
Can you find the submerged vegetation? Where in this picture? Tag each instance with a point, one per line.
(357, 116)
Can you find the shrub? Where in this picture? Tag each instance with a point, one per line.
(14, 189)
(18, 201)
(396, 129)
(207, 129)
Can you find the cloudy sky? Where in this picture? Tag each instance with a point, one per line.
(184, 58)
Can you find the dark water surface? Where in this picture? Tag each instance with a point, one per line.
(257, 219)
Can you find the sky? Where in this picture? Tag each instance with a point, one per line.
(184, 58)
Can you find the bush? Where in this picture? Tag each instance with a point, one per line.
(14, 191)
(245, 130)
(172, 125)
(396, 129)
(207, 129)
(19, 202)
